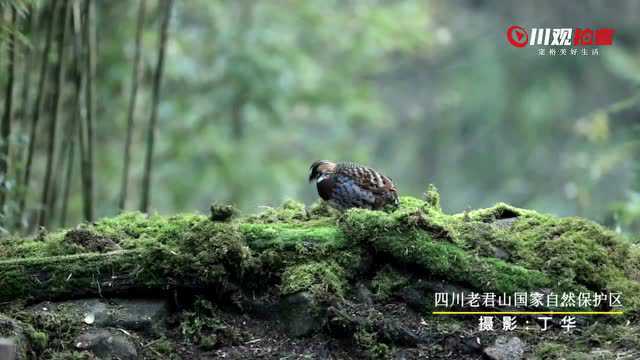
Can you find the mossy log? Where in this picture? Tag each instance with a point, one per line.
(293, 248)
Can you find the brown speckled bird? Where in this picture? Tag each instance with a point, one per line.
(347, 185)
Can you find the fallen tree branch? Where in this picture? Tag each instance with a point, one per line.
(500, 249)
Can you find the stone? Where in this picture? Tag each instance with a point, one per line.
(602, 354)
(500, 253)
(9, 349)
(363, 294)
(394, 332)
(107, 344)
(13, 341)
(505, 348)
(414, 296)
(145, 315)
(300, 314)
(462, 344)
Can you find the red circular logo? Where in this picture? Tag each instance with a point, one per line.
(517, 36)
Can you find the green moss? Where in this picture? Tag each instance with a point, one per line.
(411, 204)
(496, 212)
(222, 212)
(439, 259)
(52, 244)
(57, 276)
(131, 227)
(432, 197)
(321, 209)
(287, 236)
(321, 278)
(37, 339)
(131, 230)
(386, 281)
(501, 248)
(52, 331)
(366, 339)
(536, 250)
(577, 252)
(208, 244)
(200, 321)
(201, 325)
(290, 211)
(204, 254)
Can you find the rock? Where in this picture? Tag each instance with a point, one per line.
(501, 253)
(260, 307)
(597, 354)
(340, 324)
(462, 344)
(505, 348)
(107, 344)
(414, 297)
(363, 294)
(345, 322)
(145, 315)
(392, 331)
(300, 314)
(9, 349)
(13, 341)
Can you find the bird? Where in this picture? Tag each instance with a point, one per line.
(346, 185)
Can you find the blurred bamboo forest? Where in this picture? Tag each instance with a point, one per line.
(230, 101)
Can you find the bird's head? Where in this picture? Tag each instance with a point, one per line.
(320, 168)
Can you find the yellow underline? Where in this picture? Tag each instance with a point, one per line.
(528, 313)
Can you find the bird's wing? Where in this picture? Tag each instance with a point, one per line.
(366, 178)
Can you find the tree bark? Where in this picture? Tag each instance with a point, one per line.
(8, 108)
(157, 79)
(24, 109)
(135, 78)
(88, 158)
(67, 183)
(76, 131)
(26, 76)
(53, 123)
(38, 104)
(90, 274)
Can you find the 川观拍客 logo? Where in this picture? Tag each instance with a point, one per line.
(562, 41)
(517, 36)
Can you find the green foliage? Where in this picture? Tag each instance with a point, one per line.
(50, 331)
(201, 325)
(371, 348)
